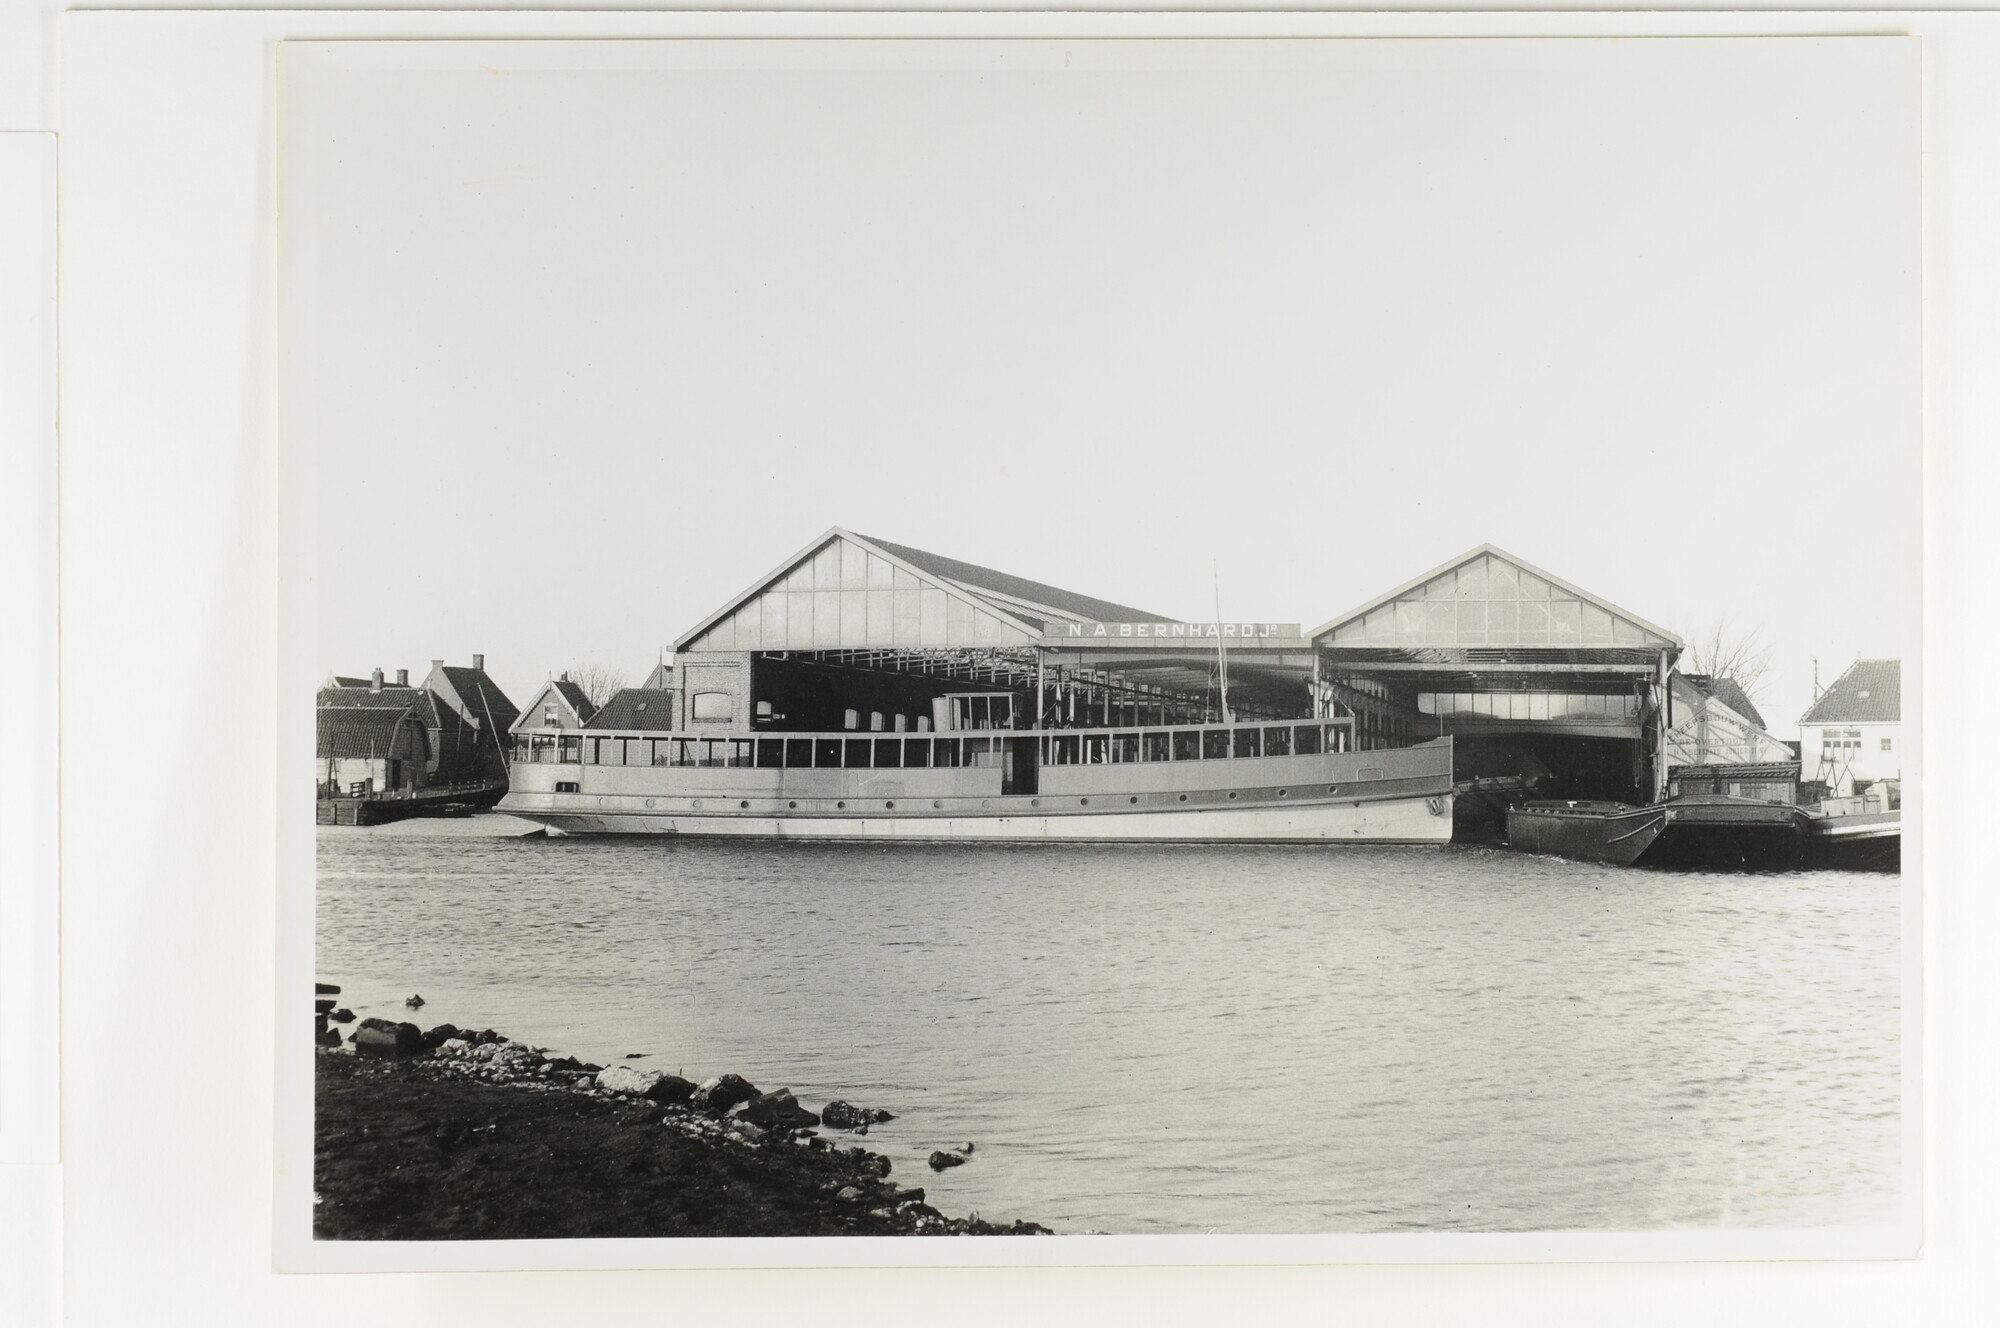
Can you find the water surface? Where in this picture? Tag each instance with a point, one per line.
(1197, 1038)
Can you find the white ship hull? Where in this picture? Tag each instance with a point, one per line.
(1390, 821)
(1392, 796)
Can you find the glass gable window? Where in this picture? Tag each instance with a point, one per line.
(1490, 601)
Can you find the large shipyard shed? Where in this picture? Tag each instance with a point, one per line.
(1534, 678)
(860, 634)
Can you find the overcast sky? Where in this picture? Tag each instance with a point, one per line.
(573, 356)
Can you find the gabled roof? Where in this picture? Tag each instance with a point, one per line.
(1728, 692)
(566, 696)
(364, 697)
(661, 678)
(354, 731)
(1622, 628)
(993, 608)
(976, 578)
(639, 708)
(578, 699)
(1870, 692)
(475, 696)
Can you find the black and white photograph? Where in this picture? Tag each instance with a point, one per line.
(1099, 639)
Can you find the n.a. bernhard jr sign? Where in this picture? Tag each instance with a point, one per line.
(1171, 633)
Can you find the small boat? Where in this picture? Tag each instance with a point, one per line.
(1695, 830)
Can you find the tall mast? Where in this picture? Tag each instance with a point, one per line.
(1221, 654)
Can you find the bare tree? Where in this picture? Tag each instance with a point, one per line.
(599, 682)
(1743, 657)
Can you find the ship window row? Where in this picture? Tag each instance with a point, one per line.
(830, 753)
(1570, 706)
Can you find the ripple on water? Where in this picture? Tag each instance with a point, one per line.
(1185, 1039)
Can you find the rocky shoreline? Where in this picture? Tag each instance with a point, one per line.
(452, 1134)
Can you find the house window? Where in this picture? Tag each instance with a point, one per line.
(713, 706)
(874, 721)
(1888, 744)
(851, 719)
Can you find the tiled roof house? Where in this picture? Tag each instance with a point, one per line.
(1853, 734)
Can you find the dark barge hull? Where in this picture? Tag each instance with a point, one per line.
(1698, 831)
(1868, 842)
(383, 810)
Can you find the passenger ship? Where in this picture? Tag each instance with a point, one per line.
(977, 778)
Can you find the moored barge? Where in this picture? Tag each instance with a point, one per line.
(1703, 829)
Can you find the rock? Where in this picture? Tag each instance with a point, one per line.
(587, 1066)
(941, 1159)
(723, 1092)
(342, 1016)
(649, 1084)
(625, 1079)
(324, 1006)
(415, 1002)
(861, 1129)
(778, 1111)
(455, 1049)
(847, 1194)
(873, 1164)
(379, 1037)
(967, 1150)
(845, 1115)
(514, 1056)
(637, 1055)
(325, 989)
(328, 1037)
(440, 1035)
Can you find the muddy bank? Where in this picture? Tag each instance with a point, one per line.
(434, 1144)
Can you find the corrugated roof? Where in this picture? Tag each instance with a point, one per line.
(1870, 692)
(636, 708)
(351, 731)
(975, 577)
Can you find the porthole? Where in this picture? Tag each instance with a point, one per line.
(697, 802)
(1284, 793)
(1135, 801)
(1333, 788)
(649, 802)
(1034, 802)
(986, 802)
(1232, 795)
(743, 804)
(1083, 802)
(841, 806)
(939, 805)
(604, 802)
(1183, 797)
(890, 805)
(791, 804)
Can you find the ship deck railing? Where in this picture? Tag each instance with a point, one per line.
(848, 750)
